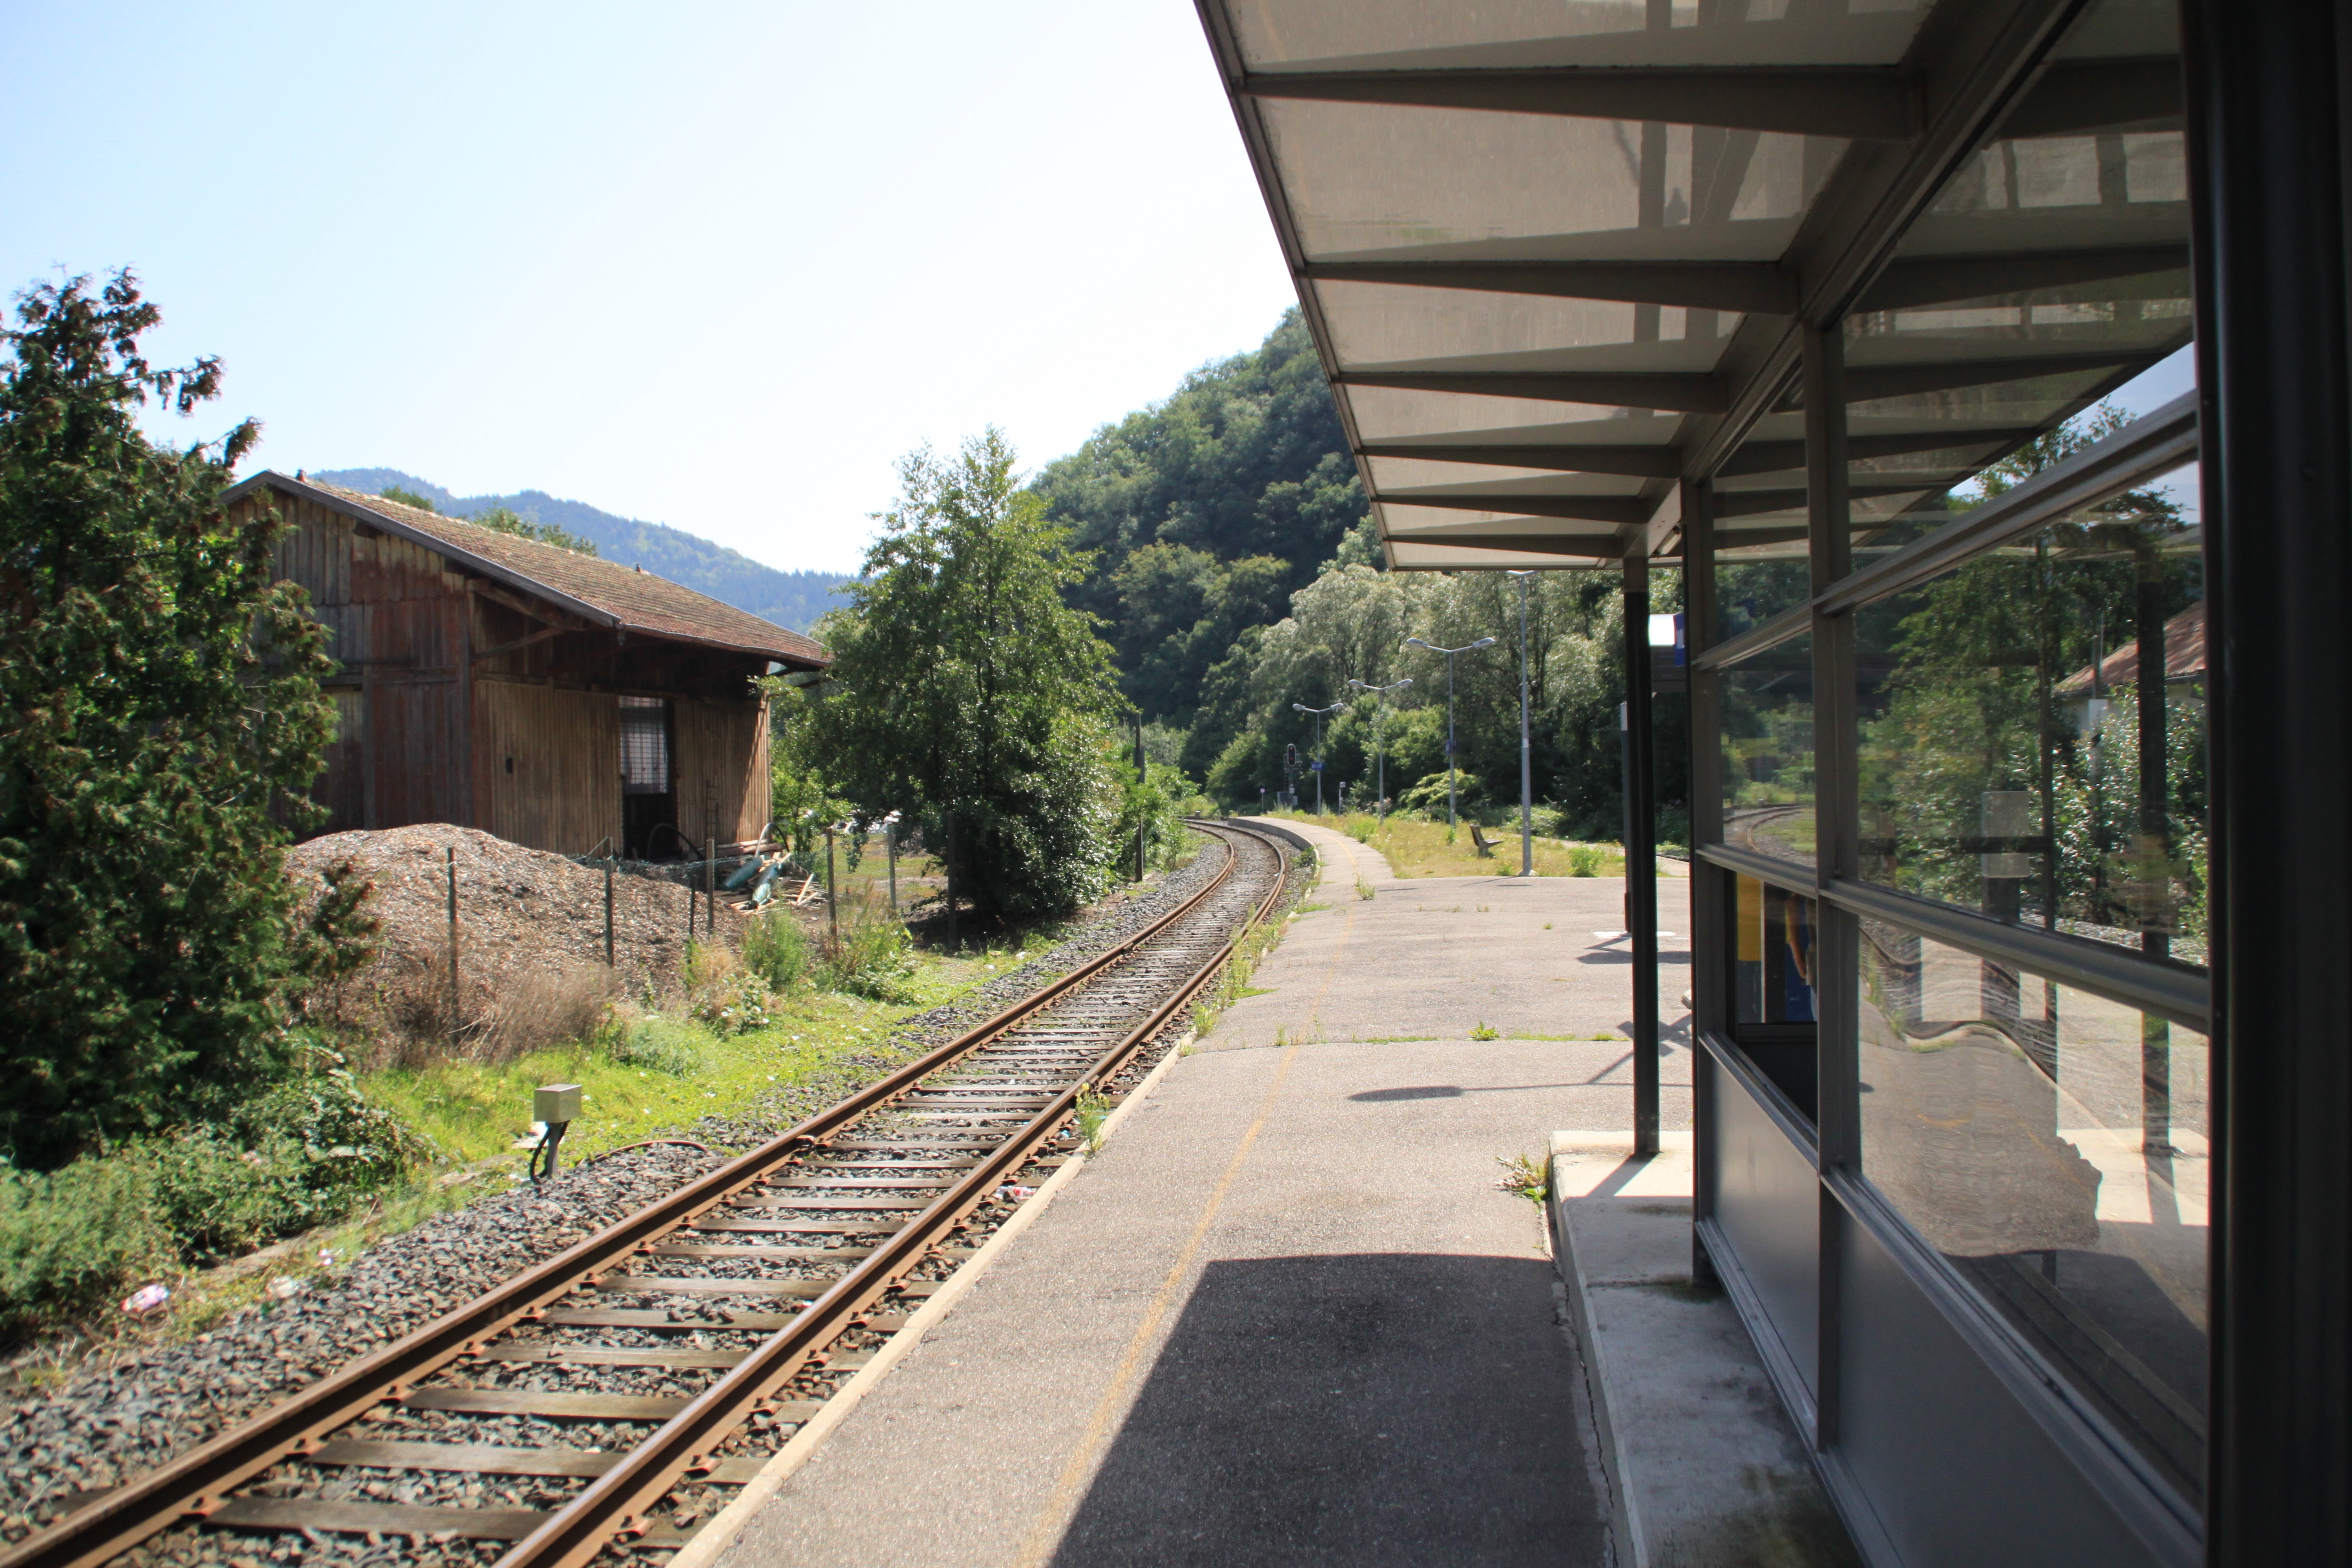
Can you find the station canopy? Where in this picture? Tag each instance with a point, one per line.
(1557, 255)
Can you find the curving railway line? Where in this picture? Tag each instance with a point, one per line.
(692, 1337)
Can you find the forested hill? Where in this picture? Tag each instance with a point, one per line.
(793, 599)
(1207, 512)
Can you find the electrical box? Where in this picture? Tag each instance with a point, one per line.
(555, 1102)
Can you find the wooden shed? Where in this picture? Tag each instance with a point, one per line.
(548, 697)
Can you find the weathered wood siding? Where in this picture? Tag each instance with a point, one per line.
(396, 624)
(722, 763)
(547, 760)
(426, 724)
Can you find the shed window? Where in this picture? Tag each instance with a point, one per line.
(645, 746)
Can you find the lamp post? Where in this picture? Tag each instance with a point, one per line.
(1300, 707)
(1483, 642)
(1526, 764)
(1379, 741)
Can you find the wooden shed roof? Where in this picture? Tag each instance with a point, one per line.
(624, 597)
(2184, 657)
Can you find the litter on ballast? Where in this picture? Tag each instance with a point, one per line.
(285, 1289)
(146, 1299)
(1013, 1193)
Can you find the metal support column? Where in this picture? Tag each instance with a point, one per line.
(1836, 827)
(1710, 886)
(2269, 112)
(1641, 849)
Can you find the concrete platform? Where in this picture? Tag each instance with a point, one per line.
(1705, 1468)
(1287, 1316)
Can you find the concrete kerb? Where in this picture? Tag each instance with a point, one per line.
(1704, 1465)
(712, 1541)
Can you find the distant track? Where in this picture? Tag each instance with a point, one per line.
(790, 1262)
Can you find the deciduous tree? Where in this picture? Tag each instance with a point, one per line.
(965, 692)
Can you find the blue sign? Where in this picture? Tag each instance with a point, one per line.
(1316, 765)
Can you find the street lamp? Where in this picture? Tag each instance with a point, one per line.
(1300, 707)
(1379, 739)
(1526, 765)
(1483, 642)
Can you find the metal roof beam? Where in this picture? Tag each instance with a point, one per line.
(1871, 103)
(2087, 95)
(1749, 287)
(1677, 393)
(1937, 280)
(1664, 462)
(1753, 503)
(1628, 509)
(1609, 546)
(1641, 462)
(1869, 382)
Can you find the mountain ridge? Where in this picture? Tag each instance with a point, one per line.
(790, 599)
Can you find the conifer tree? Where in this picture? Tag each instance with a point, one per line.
(160, 715)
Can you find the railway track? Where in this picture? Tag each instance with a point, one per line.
(694, 1335)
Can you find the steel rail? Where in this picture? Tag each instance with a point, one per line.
(614, 1504)
(195, 1483)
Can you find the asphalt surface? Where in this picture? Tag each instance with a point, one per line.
(1287, 1316)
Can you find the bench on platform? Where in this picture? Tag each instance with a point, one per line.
(1480, 842)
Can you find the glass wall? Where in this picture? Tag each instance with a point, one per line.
(1767, 752)
(2052, 1145)
(2004, 764)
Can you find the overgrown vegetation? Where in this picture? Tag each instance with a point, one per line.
(306, 1152)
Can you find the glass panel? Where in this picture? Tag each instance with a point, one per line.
(2003, 763)
(1464, 183)
(2052, 1145)
(1397, 414)
(1767, 707)
(1396, 326)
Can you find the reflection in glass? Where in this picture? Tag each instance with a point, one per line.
(1754, 585)
(2052, 1144)
(1767, 715)
(1772, 975)
(2003, 763)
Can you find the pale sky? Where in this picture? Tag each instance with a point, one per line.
(715, 266)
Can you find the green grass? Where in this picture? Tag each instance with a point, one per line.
(668, 1073)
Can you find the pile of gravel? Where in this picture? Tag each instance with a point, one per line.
(530, 930)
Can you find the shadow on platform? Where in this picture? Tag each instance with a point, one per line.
(1358, 1409)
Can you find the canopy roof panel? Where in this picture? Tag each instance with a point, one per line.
(1557, 254)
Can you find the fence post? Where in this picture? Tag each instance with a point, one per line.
(710, 870)
(890, 838)
(451, 852)
(608, 923)
(832, 894)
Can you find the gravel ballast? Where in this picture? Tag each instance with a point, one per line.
(120, 1416)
